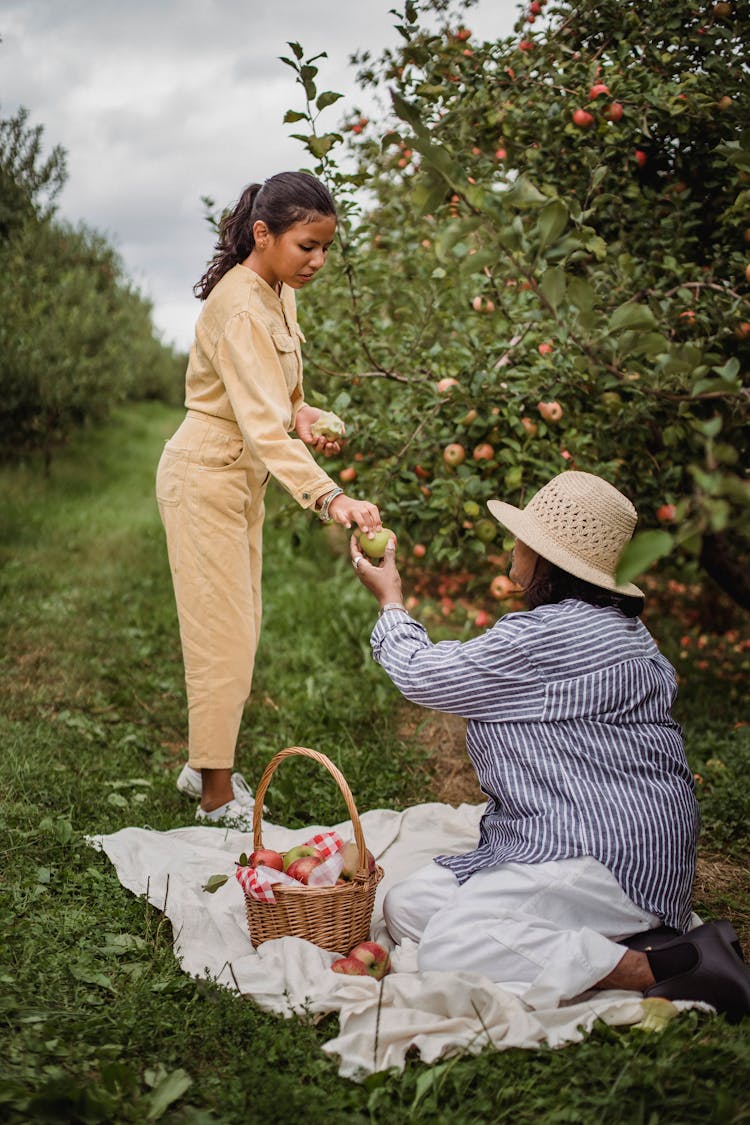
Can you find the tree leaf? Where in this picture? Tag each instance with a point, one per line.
(294, 115)
(296, 48)
(524, 194)
(328, 97)
(552, 285)
(553, 220)
(632, 315)
(643, 549)
(213, 883)
(580, 294)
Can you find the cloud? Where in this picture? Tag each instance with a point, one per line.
(160, 102)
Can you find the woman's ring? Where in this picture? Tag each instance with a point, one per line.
(356, 561)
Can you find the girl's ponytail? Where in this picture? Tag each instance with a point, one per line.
(234, 243)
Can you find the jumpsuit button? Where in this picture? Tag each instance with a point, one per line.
(305, 495)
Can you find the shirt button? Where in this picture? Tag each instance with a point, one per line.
(305, 495)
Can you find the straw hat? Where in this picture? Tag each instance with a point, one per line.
(580, 523)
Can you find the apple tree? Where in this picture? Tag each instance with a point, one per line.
(548, 266)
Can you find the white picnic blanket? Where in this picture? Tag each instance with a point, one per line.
(438, 1013)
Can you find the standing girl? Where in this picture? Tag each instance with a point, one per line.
(244, 402)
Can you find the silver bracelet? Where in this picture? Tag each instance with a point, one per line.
(323, 513)
(391, 605)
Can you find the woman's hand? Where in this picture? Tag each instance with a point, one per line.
(383, 581)
(303, 426)
(346, 511)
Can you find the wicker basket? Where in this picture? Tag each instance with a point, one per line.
(335, 918)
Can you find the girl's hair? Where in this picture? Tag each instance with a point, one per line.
(551, 584)
(280, 202)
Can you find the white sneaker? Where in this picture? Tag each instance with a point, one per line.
(230, 815)
(191, 783)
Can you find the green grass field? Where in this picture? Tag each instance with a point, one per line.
(98, 1022)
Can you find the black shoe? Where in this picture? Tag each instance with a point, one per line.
(650, 939)
(719, 976)
(646, 940)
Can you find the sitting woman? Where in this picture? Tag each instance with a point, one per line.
(583, 872)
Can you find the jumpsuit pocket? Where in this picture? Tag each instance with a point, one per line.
(220, 449)
(284, 342)
(170, 476)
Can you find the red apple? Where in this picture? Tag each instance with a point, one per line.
(614, 111)
(500, 154)
(454, 454)
(666, 513)
(300, 869)
(502, 587)
(266, 857)
(550, 411)
(641, 158)
(350, 967)
(747, 272)
(483, 452)
(376, 960)
(545, 349)
(419, 550)
(482, 619)
(444, 385)
(422, 473)
(526, 45)
(724, 102)
(742, 331)
(597, 90)
(530, 426)
(348, 474)
(582, 118)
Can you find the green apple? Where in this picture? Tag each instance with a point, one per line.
(375, 547)
(329, 426)
(297, 853)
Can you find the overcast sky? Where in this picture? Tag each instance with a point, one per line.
(159, 102)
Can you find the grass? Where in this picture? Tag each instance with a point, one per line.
(98, 1022)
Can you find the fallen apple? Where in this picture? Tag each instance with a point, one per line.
(376, 960)
(300, 868)
(297, 852)
(374, 548)
(266, 857)
(350, 967)
(329, 426)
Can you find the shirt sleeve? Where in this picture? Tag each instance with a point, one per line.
(254, 380)
(479, 679)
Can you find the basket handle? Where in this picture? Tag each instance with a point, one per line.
(338, 777)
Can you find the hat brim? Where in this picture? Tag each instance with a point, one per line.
(525, 527)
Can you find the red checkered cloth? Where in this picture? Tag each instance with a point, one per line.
(258, 882)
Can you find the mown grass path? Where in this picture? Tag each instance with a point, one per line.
(98, 1022)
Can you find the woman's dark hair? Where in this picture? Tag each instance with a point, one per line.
(551, 584)
(280, 202)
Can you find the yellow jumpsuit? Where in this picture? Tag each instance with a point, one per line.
(243, 391)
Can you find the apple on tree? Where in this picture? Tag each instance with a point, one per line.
(550, 411)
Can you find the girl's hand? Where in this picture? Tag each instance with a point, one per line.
(303, 426)
(383, 581)
(345, 510)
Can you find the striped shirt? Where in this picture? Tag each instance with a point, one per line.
(570, 732)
